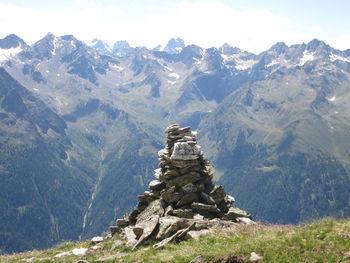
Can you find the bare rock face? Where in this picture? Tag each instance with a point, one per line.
(182, 199)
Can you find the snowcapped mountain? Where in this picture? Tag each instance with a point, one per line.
(100, 46)
(122, 48)
(174, 46)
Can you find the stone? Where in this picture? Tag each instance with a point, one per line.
(97, 240)
(121, 222)
(187, 199)
(188, 188)
(156, 185)
(173, 127)
(154, 208)
(207, 199)
(130, 236)
(184, 213)
(179, 235)
(169, 196)
(183, 164)
(185, 151)
(169, 225)
(255, 257)
(199, 259)
(234, 212)
(196, 234)
(115, 229)
(117, 244)
(147, 226)
(171, 173)
(79, 251)
(147, 197)
(81, 261)
(229, 199)
(108, 258)
(218, 193)
(205, 207)
(184, 179)
(245, 221)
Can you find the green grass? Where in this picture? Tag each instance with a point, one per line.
(327, 240)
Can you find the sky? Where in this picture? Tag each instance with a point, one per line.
(252, 25)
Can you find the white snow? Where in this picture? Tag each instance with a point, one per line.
(35, 89)
(47, 71)
(307, 56)
(5, 54)
(273, 62)
(58, 74)
(334, 57)
(332, 99)
(244, 64)
(171, 82)
(167, 68)
(73, 44)
(117, 67)
(174, 75)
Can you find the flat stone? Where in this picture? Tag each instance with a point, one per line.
(154, 208)
(130, 236)
(245, 221)
(184, 179)
(169, 174)
(199, 259)
(121, 222)
(255, 257)
(156, 185)
(147, 197)
(169, 225)
(79, 251)
(234, 212)
(173, 127)
(183, 163)
(184, 213)
(148, 227)
(115, 229)
(185, 151)
(189, 188)
(97, 240)
(187, 199)
(205, 207)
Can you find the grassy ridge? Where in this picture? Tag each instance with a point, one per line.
(327, 240)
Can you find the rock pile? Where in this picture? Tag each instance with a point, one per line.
(183, 197)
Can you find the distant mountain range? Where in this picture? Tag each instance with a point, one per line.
(81, 124)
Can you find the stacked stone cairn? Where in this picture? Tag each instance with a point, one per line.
(182, 199)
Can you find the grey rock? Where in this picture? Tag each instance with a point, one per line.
(147, 197)
(245, 221)
(147, 226)
(199, 259)
(156, 185)
(234, 212)
(218, 193)
(187, 199)
(117, 244)
(154, 208)
(255, 257)
(108, 258)
(189, 188)
(184, 213)
(130, 236)
(205, 207)
(207, 199)
(115, 229)
(173, 127)
(195, 234)
(184, 179)
(169, 196)
(185, 151)
(121, 222)
(169, 225)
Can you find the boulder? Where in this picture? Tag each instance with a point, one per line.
(184, 179)
(187, 199)
(218, 194)
(234, 212)
(183, 213)
(144, 229)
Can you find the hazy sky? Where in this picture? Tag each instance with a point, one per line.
(252, 25)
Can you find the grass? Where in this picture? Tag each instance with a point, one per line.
(327, 240)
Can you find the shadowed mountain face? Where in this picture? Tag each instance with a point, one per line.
(90, 120)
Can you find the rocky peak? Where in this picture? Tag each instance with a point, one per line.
(182, 198)
(226, 49)
(122, 48)
(174, 46)
(100, 46)
(279, 48)
(12, 41)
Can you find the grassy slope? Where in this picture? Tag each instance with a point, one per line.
(327, 240)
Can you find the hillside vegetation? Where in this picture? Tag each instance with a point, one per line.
(327, 240)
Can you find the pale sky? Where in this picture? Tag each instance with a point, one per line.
(253, 25)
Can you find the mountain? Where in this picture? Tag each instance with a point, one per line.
(100, 46)
(10, 46)
(41, 195)
(174, 46)
(274, 124)
(122, 48)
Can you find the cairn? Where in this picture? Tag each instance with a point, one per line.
(183, 197)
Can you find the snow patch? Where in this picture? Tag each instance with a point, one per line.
(47, 71)
(173, 75)
(332, 99)
(244, 64)
(171, 82)
(6, 54)
(35, 89)
(58, 74)
(273, 62)
(307, 56)
(73, 44)
(117, 67)
(168, 69)
(334, 57)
